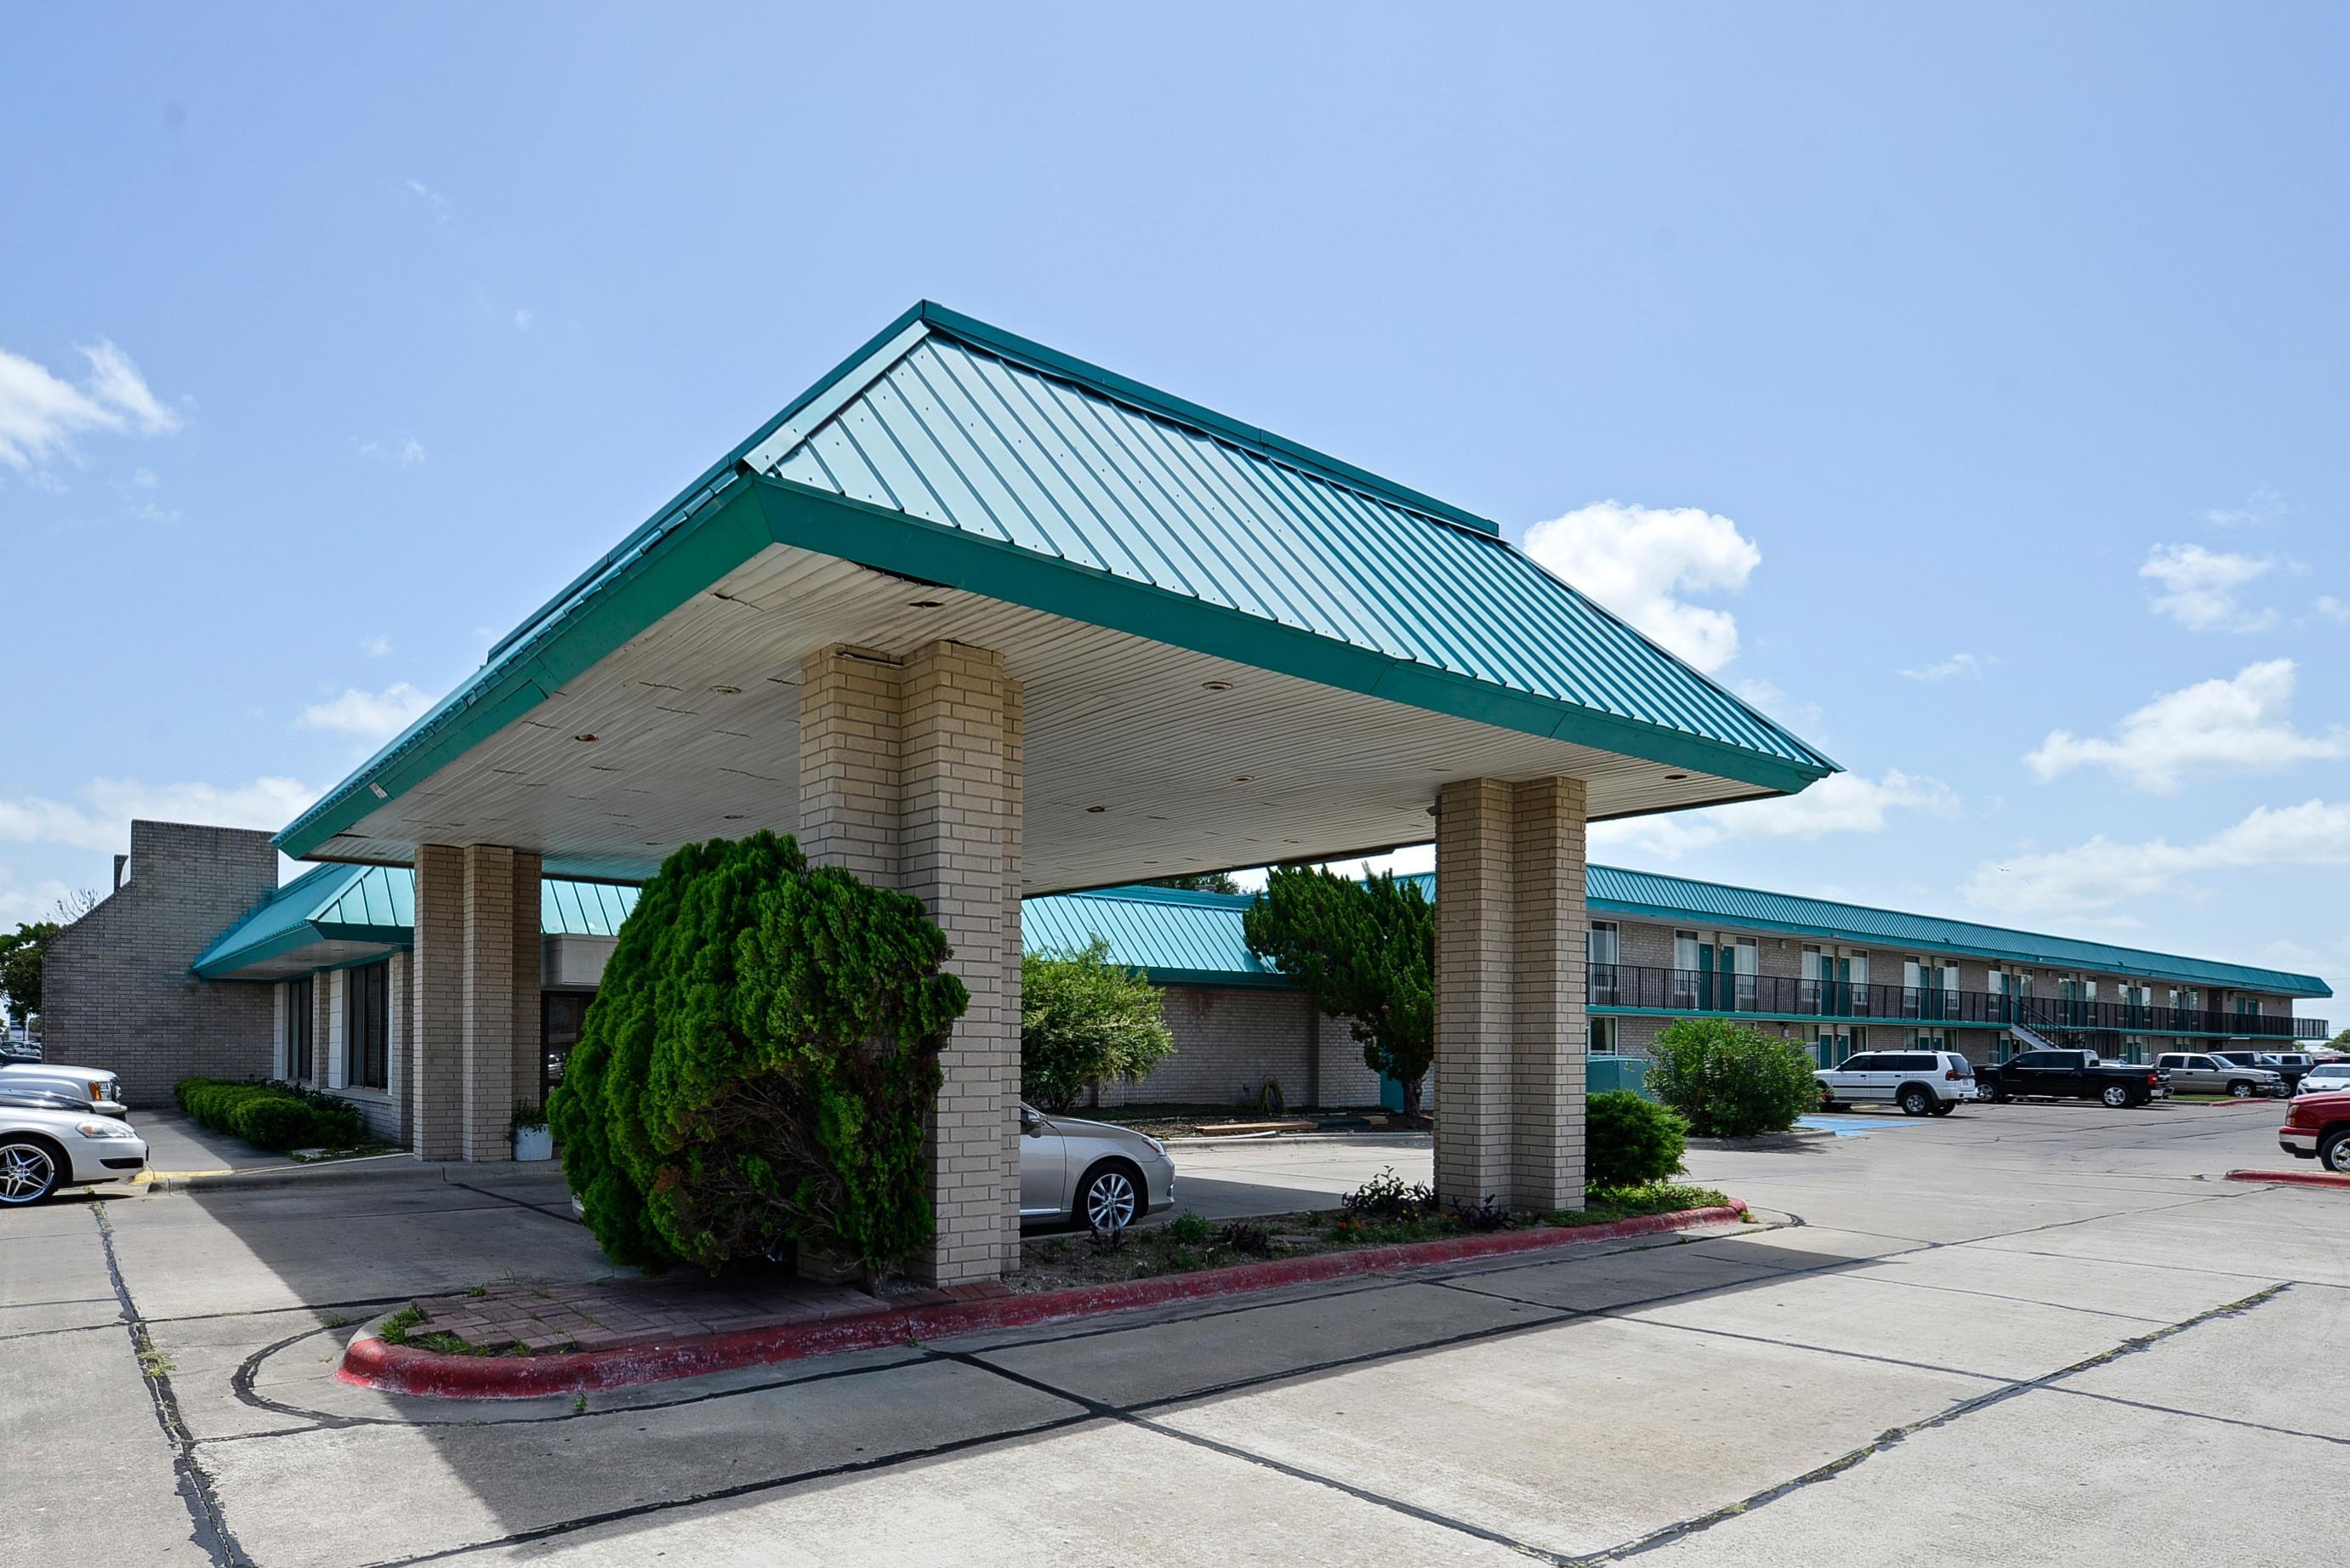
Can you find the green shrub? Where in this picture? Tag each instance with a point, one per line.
(273, 1115)
(1730, 1080)
(758, 1070)
(1629, 1141)
(1085, 1020)
(273, 1121)
(1188, 1228)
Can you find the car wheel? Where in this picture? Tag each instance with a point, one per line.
(2334, 1154)
(2241, 1089)
(2117, 1095)
(1916, 1101)
(1944, 1107)
(30, 1169)
(1110, 1197)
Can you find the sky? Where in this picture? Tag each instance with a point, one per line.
(1964, 387)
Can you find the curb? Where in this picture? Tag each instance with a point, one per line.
(2291, 1178)
(369, 1362)
(381, 1168)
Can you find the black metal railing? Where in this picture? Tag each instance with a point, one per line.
(1710, 991)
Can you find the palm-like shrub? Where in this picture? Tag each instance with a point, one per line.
(758, 1070)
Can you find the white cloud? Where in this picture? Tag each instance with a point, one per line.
(40, 413)
(2263, 505)
(369, 715)
(2235, 726)
(406, 451)
(1973, 664)
(2101, 873)
(376, 647)
(1637, 560)
(2202, 589)
(432, 199)
(1766, 698)
(2333, 608)
(1841, 802)
(21, 903)
(522, 320)
(100, 820)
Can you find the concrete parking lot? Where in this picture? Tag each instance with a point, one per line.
(2025, 1333)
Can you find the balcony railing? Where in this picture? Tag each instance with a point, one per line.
(1706, 991)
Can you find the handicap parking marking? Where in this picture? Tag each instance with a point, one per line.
(1854, 1126)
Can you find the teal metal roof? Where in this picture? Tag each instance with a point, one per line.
(567, 909)
(328, 914)
(1175, 936)
(1648, 894)
(1179, 937)
(953, 452)
(333, 908)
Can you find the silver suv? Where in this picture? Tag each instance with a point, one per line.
(2201, 1073)
(1922, 1083)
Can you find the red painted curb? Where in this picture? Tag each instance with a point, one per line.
(370, 1363)
(2291, 1178)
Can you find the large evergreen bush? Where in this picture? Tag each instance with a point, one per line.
(758, 1069)
(1730, 1080)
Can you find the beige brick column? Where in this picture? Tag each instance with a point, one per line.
(1511, 946)
(529, 1039)
(436, 1076)
(400, 1010)
(911, 777)
(323, 1021)
(486, 1092)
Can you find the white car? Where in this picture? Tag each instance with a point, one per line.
(1094, 1174)
(50, 1140)
(2325, 1078)
(101, 1088)
(1922, 1083)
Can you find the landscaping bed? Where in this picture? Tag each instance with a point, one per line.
(1188, 1243)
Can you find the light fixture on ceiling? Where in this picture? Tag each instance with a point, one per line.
(1675, 778)
(1215, 685)
(924, 604)
(727, 691)
(1096, 808)
(584, 738)
(1243, 778)
(733, 816)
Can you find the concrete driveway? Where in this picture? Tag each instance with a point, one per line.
(2008, 1336)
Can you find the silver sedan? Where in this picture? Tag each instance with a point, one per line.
(1089, 1173)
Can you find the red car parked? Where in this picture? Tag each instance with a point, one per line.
(2317, 1126)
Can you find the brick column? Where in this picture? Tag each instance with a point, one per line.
(487, 1003)
(910, 776)
(399, 1009)
(436, 1078)
(1511, 946)
(529, 1039)
(323, 1021)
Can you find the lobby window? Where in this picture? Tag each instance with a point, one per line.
(301, 1016)
(367, 1026)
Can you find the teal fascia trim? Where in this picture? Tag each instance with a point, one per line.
(817, 520)
(1948, 1026)
(1213, 979)
(698, 551)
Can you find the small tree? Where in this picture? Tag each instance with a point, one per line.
(21, 956)
(1730, 1080)
(1365, 951)
(1628, 1141)
(1085, 1020)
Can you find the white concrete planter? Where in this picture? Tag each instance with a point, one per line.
(533, 1143)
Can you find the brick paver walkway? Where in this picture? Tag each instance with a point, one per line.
(611, 1313)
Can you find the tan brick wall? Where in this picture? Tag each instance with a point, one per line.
(437, 1063)
(1512, 946)
(911, 777)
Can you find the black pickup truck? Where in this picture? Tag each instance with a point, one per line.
(2068, 1075)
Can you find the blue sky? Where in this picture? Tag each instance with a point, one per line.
(1967, 386)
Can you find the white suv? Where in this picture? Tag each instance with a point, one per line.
(1922, 1083)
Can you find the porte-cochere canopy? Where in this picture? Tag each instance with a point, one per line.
(1234, 649)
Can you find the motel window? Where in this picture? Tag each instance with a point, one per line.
(301, 1015)
(1603, 941)
(1603, 1037)
(367, 1026)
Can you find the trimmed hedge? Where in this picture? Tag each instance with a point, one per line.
(271, 1115)
(757, 1072)
(1629, 1141)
